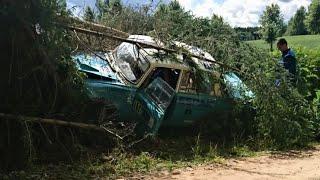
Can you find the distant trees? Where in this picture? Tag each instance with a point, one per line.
(304, 22)
(89, 15)
(313, 17)
(296, 25)
(108, 8)
(173, 22)
(248, 33)
(102, 7)
(272, 24)
(133, 20)
(174, 18)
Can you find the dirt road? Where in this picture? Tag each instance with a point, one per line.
(289, 165)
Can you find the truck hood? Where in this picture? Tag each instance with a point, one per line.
(93, 65)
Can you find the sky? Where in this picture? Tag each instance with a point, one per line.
(238, 13)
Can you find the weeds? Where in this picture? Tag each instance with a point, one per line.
(197, 149)
(145, 159)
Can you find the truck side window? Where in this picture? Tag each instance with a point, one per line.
(217, 86)
(211, 85)
(170, 76)
(187, 83)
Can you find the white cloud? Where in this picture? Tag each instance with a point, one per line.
(241, 12)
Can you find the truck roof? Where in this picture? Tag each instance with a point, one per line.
(161, 57)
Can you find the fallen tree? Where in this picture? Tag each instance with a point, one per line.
(57, 122)
(121, 39)
(92, 26)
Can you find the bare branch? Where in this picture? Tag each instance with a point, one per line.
(58, 123)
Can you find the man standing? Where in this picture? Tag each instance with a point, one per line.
(288, 59)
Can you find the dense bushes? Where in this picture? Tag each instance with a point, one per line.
(39, 78)
(37, 75)
(309, 80)
(284, 118)
(287, 115)
(309, 72)
(284, 115)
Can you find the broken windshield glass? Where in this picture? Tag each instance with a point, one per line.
(131, 62)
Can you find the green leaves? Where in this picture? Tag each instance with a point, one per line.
(272, 24)
(313, 17)
(297, 25)
(283, 117)
(89, 15)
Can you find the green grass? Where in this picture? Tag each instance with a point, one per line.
(152, 156)
(308, 41)
(162, 154)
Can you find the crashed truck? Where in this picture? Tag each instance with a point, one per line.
(155, 88)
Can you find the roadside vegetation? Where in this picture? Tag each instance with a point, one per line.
(39, 79)
(166, 155)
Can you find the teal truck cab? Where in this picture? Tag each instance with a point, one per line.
(154, 88)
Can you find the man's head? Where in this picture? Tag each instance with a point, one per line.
(282, 45)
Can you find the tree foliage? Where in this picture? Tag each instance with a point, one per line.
(108, 8)
(89, 15)
(29, 34)
(248, 33)
(272, 24)
(296, 25)
(309, 63)
(134, 20)
(172, 22)
(102, 7)
(283, 116)
(313, 17)
(38, 76)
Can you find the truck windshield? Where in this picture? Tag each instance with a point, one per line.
(131, 62)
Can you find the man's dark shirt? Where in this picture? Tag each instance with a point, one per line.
(289, 61)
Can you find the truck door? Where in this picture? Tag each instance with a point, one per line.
(194, 103)
(151, 104)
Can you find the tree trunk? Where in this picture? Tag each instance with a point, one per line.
(271, 46)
